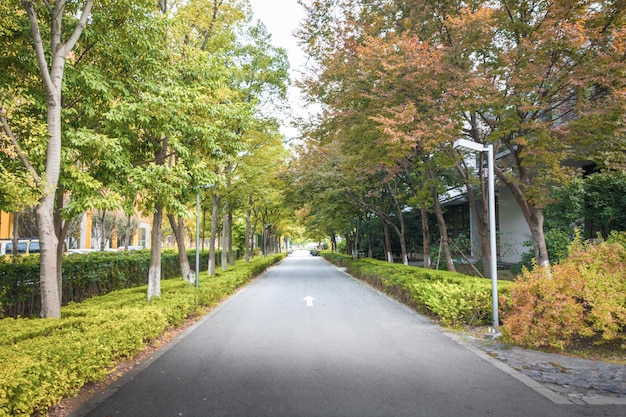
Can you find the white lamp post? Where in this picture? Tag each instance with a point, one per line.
(469, 146)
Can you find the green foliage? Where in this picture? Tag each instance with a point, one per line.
(557, 242)
(43, 360)
(583, 296)
(84, 276)
(453, 298)
(596, 203)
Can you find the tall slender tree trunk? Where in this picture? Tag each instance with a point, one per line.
(253, 243)
(387, 240)
(225, 244)
(533, 216)
(16, 234)
(52, 78)
(231, 252)
(178, 228)
(401, 234)
(127, 237)
(61, 229)
(443, 232)
(203, 227)
(103, 230)
(50, 301)
(248, 233)
(425, 237)
(154, 273)
(215, 206)
(481, 217)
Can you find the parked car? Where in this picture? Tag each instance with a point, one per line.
(314, 252)
(131, 248)
(79, 251)
(24, 247)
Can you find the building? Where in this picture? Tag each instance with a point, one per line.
(87, 235)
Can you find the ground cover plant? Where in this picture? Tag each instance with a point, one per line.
(44, 360)
(453, 298)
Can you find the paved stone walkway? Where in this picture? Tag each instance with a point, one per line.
(579, 381)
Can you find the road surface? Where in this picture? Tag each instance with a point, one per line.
(305, 339)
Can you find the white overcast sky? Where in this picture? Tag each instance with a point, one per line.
(282, 17)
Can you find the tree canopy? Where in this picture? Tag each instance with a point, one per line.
(130, 105)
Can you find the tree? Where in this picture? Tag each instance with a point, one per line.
(538, 80)
(48, 21)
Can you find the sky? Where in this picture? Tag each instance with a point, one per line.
(282, 17)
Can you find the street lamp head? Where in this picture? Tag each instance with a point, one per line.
(469, 146)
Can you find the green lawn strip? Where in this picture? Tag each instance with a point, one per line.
(453, 298)
(44, 360)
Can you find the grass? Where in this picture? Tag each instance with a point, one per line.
(45, 360)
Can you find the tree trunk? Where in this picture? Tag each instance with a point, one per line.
(425, 237)
(154, 273)
(404, 254)
(52, 76)
(247, 238)
(16, 235)
(203, 227)
(481, 217)
(387, 239)
(443, 232)
(127, 239)
(355, 250)
(61, 228)
(215, 201)
(50, 302)
(225, 244)
(533, 216)
(231, 252)
(103, 230)
(178, 228)
(254, 225)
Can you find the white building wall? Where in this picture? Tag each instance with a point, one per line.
(514, 230)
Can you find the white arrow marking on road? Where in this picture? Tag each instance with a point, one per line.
(309, 300)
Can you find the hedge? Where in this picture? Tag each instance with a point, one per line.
(453, 298)
(84, 276)
(44, 360)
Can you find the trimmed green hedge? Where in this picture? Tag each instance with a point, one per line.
(453, 298)
(44, 360)
(84, 276)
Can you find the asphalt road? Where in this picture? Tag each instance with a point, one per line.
(307, 340)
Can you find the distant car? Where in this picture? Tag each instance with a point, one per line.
(79, 251)
(131, 248)
(24, 247)
(314, 252)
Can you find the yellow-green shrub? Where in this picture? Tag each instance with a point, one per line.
(43, 360)
(452, 297)
(583, 296)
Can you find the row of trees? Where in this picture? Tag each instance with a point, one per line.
(124, 104)
(400, 80)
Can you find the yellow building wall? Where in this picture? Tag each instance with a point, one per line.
(6, 225)
(6, 228)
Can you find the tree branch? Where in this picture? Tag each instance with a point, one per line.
(82, 22)
(38, 42)
(20, 153)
